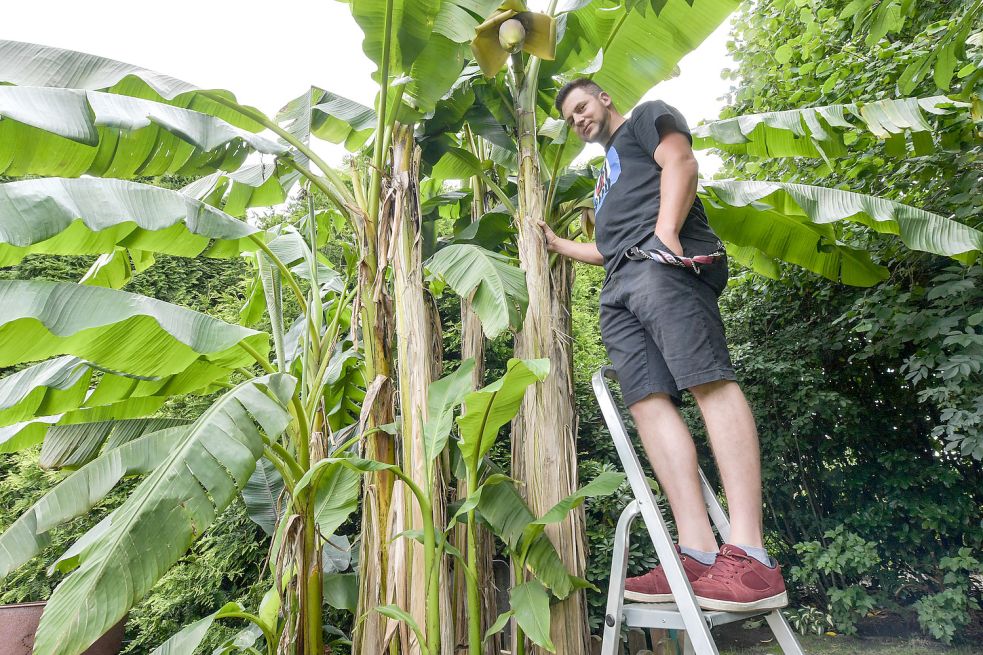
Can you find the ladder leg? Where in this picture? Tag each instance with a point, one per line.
(783, 633)
(714, 509)
(698, 632)
(698, 636)
(616, 585)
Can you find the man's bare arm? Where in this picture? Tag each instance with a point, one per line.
(679, 178)
(582, 252)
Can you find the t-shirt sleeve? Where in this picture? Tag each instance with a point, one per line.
(653, 119)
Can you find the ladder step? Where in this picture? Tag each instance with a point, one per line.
(666, 616)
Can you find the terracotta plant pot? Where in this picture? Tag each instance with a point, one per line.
(18, 623)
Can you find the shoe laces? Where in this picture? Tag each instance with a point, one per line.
(728, 564)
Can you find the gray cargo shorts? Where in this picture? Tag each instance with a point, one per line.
(661, 324)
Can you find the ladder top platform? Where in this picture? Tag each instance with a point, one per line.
(666, 616)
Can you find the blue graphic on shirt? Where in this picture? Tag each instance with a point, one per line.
(609, 175)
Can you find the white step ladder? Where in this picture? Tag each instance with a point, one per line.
(685, 613)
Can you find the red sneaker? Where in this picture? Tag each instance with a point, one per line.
(653, 587)
(738, 582)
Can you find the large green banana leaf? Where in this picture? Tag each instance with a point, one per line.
(253, 185)
(62, 385)
(496, 287)
(635, 49)
(530, 605)
(414, 23)
(31, 432)
(111, 270)
(344, 387)
(62, 216)
(327, 116)
(428, 43)
(263, 496)
(70, 132)
(117, 330)
(187, 639)
(503, 509)
(819, 131)
(411, 26)
(71, 446)
(44, 389)
(31, 64)
(117, 562)
(777, 235)
(79, 492)
(443, 396)
(770, 216)
(336, 497)
(51, 401)
(491, 407)
(340, 120)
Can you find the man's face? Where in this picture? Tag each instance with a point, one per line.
(588, 115)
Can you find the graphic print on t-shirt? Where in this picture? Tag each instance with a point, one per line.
(609, 175)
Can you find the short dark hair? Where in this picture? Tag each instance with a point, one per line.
(585, 83)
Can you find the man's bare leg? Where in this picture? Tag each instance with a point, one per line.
(672, 453)
(734, 439)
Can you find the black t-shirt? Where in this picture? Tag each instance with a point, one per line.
(628, 191)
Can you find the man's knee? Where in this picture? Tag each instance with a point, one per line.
(652, 406)
(708, 390)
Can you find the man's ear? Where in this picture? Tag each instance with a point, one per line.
(605, 99)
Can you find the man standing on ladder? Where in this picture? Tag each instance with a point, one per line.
(661, 326)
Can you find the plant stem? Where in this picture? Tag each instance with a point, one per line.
(284, 457)
(262, 361)
(331, 333)
(520, 640)
(287, 275)
(471, 580)
(432, 573)
(499, 193)
(291, 282)
(313, 591)
(375, 184)
(304, 434)
(252, 618)
(245, 372)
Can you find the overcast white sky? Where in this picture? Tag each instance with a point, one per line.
(268, 53)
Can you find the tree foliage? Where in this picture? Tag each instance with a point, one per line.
(868, 401)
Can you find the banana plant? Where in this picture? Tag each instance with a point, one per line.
(108, 360)
(763, 222)
(501, 508)
(603, 37)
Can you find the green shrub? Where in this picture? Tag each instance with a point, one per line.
(942, 614)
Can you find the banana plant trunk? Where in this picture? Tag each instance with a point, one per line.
(423, 596)
(378, 409)
(544, 452)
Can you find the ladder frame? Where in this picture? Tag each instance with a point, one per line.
(685, 613)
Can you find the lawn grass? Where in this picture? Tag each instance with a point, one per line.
(842, 645)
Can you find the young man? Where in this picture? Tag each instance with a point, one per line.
(661, 325)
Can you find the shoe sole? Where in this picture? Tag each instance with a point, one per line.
(639, 597)
(771, 603)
